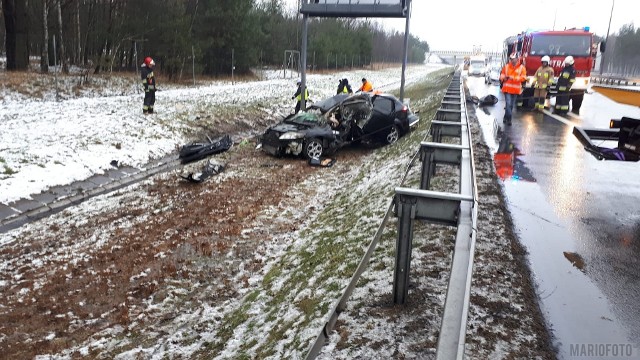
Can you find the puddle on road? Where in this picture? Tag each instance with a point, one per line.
(575, 259)
(574, 307)
(508, 162)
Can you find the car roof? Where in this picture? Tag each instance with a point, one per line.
(387, 96)
(326, 104)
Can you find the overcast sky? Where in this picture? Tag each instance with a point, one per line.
(463, 24)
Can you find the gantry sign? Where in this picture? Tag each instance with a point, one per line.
(353, 9)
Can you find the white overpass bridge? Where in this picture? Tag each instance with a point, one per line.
(457, 56)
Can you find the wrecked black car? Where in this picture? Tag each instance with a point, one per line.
(339, 121)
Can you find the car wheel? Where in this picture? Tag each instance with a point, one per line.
(313, 148)
(393, 135)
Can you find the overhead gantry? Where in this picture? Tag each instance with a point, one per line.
(353, 9)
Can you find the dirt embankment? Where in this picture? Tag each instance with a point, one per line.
(86, 270)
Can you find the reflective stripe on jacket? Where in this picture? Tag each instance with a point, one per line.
(306, 94)
(148, 79)
(566, 78)
(544, 77)
(516, 74)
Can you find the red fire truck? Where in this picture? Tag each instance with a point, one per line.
(531, 46)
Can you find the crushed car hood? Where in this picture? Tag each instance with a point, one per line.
(285, 127)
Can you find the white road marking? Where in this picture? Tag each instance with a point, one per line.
(559, 118)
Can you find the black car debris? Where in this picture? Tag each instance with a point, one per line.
(339, 121)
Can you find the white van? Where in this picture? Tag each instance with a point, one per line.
(477, 65)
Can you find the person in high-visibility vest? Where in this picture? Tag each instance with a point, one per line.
(149, 84)
(344, 87)
(366, 86)
(298, 96)
(565, 80)
(512, 76)
(341, 88)
(544, 79)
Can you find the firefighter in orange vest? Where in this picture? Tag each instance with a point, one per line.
(512, 76)
(544, 79)
(149, 84)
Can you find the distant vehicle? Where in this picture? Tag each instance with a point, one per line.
(492, 75)
(477, 65)
(532, 46)
(369, 117)
(476, 69)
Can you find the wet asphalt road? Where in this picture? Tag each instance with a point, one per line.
(578, 217)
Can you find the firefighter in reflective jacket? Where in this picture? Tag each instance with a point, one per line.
(544, 79)
(512, 76)
(298, 96)
(565, 80)
(149, 84)
(344, 87)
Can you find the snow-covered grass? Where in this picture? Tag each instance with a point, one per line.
(44, 143)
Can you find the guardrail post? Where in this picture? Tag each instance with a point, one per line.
(445, 128)
(428, 167)
(432, 153)
(449, 115)
(406, 207)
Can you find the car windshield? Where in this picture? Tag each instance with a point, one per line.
(575, 45)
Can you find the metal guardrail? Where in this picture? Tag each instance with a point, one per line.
(454, 209)
(40, 209)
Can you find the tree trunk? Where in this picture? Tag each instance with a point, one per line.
(9, 10)
(91, 17)
(78, 54)
(63, 55)
(44, 59)
(22, 34)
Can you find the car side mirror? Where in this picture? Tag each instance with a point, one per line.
(603, 46)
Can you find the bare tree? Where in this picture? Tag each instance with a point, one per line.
(44, 59)
(78, 50)
(9, 10)
(16, 34)
(63, 54)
